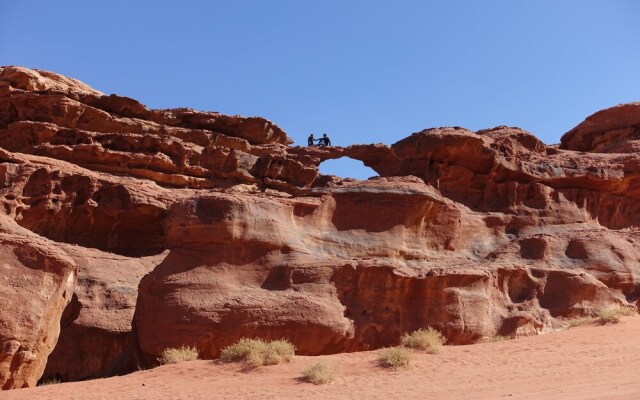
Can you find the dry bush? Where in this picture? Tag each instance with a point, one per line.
(51, 381)
(573, 322)
(178, 355)
(319, 373)
(242, 350)
(429, 340)
(257, 352)
(612, 315)
(497, 338)
(395, 357)
(278, 351)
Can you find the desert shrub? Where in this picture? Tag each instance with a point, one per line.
(241, 350)
(319, 373)
(497, 338)
(178, 355)
(573, 322)
(278, 351)
(257, 352)
(423, 339)
(612, 315)
(50, 381)
(395, 357)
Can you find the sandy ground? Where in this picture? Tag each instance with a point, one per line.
(587, 362)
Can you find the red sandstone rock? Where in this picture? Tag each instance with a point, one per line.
(196, 228)
(614, 130)
(69, 204)
(96, 326)
(36, 283)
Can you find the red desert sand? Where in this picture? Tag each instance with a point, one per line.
(586, 362)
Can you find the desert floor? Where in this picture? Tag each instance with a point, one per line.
(586, 362)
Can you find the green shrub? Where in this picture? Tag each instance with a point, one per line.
(178, 355)
(429, 340)
(257, 352)
(319, 373)
(395, 357)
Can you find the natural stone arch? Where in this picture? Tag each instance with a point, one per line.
(346, 167)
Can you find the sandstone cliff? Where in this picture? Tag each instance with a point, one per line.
(126, 230)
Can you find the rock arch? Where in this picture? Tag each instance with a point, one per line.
(346, 167)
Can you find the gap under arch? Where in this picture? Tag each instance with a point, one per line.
(346, 167)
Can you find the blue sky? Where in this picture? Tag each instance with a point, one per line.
(362, 71)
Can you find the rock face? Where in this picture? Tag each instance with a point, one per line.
(36, 284)
(134, 230)
(96, 325)
(614, 130)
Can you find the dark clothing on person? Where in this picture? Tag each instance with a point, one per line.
(310, 140)
(324, 140)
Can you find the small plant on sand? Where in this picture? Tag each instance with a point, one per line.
(612, 315)
(429, 340)
(241, 350)
(50, 381)
(573, 322)
(257, 352)
(395, 357)
(278, 351)
(319, 373)
(178, 355)
(497, 338)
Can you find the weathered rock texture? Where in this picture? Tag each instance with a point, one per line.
(162, 228)
(36, 284)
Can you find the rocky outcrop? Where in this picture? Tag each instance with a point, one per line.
(96, 325)
(614, 130)
(197, 228)
(309, 250)
(36, 283)
(68, 204)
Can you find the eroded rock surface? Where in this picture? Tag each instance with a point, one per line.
(614, 130)
(36, 283)
(178, 227)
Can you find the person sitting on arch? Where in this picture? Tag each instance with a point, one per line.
(310, 140)
(324, 140)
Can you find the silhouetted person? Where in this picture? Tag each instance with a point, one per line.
(324, 140)
(310, 140)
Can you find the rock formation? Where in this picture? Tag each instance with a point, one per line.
(131, 230)
(36, 284)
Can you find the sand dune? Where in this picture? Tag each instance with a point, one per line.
(587, 362)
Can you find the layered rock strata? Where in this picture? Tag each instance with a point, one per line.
(136, 230)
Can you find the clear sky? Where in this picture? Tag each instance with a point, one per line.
(361, 71)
